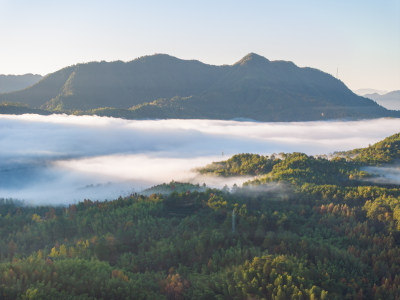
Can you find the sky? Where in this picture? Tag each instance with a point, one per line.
(359, 39)
(65, 159)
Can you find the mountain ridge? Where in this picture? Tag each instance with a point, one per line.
(390, 100)
(11, 83)
(163, 86)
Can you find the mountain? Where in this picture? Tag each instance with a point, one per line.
(10, 83)
(389, 100)
(117, 84)
(162, 86)
(363, 92)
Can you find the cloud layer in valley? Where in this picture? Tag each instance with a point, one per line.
(64, 159)
(389, 174)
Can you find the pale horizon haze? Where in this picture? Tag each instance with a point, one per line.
(359, 40)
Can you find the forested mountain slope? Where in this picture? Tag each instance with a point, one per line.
(311, 229)
(161, 86)
(385, 151)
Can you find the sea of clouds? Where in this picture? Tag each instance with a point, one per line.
(63, 159)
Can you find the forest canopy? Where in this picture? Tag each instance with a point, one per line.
(304, 228)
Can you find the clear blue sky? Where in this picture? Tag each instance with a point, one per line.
(361, 38)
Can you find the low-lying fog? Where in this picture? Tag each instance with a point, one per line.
(389, 174)
(65, 159)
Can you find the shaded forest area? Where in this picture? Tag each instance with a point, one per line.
(305, 228)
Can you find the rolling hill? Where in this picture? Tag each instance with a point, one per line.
(162, 86)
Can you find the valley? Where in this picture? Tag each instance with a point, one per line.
(305, 227)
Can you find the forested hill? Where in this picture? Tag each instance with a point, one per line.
(346, 163)
(311, 229)
(19, 109)
(161, 86)
(384, 151)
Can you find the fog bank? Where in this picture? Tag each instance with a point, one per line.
(385, 174)
(64, 159)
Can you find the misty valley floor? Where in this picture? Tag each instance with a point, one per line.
(65, 159)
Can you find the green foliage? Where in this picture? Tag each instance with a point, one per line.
(294, 167)
(174, 186)
(324, 241)
(330, 237)
(241, 164)
(384, 151)
(274, 277)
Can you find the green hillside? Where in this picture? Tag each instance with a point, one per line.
(385, 151)
(311, 229)
(19, 109)
(298, 166)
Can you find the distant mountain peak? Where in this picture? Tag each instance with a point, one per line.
(155, 56)
(251, 59)
(11, 83)
(363, 92)
(162, 58)
(389, 100)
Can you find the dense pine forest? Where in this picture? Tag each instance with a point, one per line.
(304, 228)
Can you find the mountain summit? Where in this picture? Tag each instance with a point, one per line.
(252, 59)
(163, 86)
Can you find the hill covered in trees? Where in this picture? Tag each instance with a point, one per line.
(382, 152)
(305, 228)
(385, 151)
(19, 109)
(161, 86)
